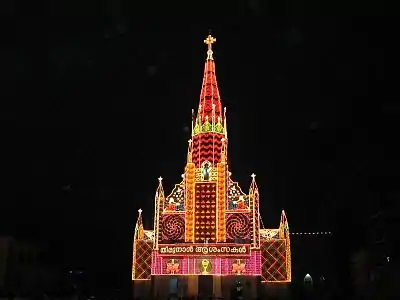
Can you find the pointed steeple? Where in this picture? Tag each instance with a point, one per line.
(159, 200)
(210, 107)
(255, 207)
(209, 123)
(139, 230)
(283, 226)
(160, 196)
(253, 185)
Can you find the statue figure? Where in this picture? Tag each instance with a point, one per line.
(206, 171)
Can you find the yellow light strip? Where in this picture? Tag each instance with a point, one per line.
(189, 199)
(221, 194)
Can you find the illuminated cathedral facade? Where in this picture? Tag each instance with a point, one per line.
(207, 235)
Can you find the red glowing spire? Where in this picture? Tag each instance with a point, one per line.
(209, 95)
(209, 128)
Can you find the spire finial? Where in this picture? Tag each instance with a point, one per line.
(160, 179)
(140, 211)
(209, 41)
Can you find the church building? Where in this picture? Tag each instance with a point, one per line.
(207, 239)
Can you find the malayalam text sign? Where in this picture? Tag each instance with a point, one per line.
(206, 249)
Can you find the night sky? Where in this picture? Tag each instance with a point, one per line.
(100, 107)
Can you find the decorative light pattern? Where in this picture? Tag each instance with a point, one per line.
(142, 261)
(220, 265)
(221, 192)
(267, 234)
(172, 266)
(273, 261)
(190, 209)
(288, 260)
(176, 200)
(207, 146)
(149, 235)
(255, 206)
(238, 226)
(215, 249)
(210, 101)
(205, 212)
(208, 128)
(205, 266)
(173, 228)
(236, 198)
(239, 267)
(159, 200)
(208, 211)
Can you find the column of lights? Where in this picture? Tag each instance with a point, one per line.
(134, 259)
(252, 219)
(257, 201)
(288, 259)
(221, 184)
(253, 199)
(190, 209)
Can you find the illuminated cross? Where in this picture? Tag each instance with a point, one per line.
(160, 179)
(140, 210)
(209, 41)
(253, 176)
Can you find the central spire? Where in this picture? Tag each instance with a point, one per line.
(209, 124)
(209, 114)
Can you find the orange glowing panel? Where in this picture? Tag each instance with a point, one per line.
(221, 201)
(189, 202)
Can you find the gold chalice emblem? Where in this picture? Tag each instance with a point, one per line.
(205, 266)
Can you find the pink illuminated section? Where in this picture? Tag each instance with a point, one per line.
(189, 265)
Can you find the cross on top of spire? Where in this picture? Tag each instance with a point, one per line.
(140, 210)
(209, 41)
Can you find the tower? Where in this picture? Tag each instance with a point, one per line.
(207, 225)
(206, 196)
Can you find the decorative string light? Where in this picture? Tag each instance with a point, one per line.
(312, 233)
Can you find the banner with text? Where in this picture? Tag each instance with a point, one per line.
(206, 249)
